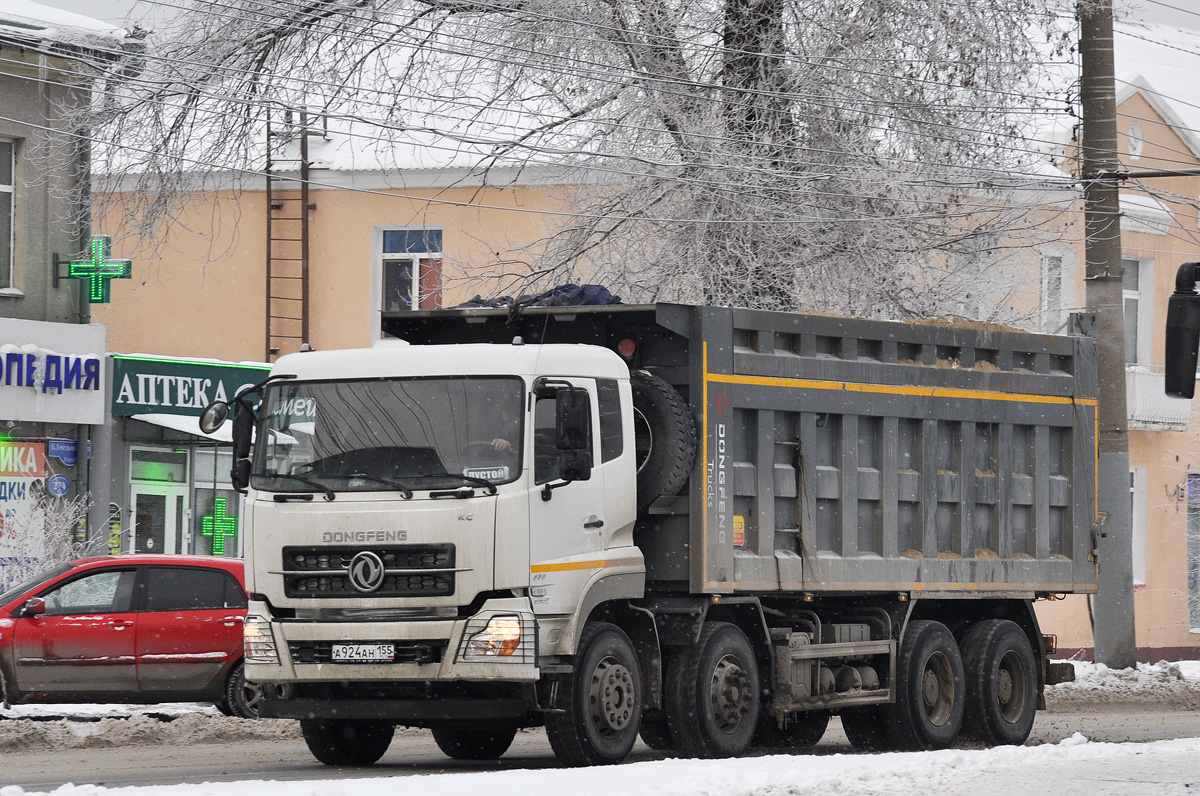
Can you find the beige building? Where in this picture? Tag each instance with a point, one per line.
(379, 240)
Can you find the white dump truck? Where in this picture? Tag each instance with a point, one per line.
(715, 528)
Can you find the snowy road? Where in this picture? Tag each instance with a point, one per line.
(239, 758)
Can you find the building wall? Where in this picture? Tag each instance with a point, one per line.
(47, 174)
(1162, 624)
(202, 291)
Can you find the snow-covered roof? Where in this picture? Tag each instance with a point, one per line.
(32, 24)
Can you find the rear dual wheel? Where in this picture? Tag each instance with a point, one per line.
(1001, 680)
(712, 697)
(930, 689)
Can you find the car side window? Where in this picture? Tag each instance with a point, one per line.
(189, 589)
(106, 592)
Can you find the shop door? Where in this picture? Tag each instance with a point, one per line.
(159, 518)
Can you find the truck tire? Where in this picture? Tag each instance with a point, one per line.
(803, 729)
(930, 689)
(712, 694)
(867, 729)
(343, 742)
(601, 700)
(664, 438)
(462, 744)
(1001, 676)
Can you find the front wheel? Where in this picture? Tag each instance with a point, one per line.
(712, 694)
(463, 744)
(341, 742)
(602, 700)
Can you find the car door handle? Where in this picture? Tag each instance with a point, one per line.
(120, 625)
(593, 522)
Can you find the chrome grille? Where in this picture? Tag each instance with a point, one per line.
(324, 571)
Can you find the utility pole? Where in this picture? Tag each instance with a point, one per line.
(1113, 630)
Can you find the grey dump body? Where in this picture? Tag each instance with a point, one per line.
(847, 456)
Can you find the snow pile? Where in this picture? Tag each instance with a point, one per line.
(142, 729)
(1160, 686)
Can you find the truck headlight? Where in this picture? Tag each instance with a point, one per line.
(258, 641)
(500, 638)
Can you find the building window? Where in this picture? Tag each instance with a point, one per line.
(1052, 293)
(7, 195)
(1138, 330)
(1136, 140)
(411, 269)
(1193, 551)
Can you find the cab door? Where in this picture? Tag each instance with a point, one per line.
(84, 642)
(566, 532)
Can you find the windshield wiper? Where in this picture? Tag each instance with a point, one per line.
(329, 493)
(470, 479)
(405, 492)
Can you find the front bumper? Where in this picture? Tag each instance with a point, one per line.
(427, 650)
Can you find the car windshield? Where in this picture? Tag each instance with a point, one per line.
(29, 583)
(375, 435)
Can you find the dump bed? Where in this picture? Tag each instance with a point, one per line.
(847, 455)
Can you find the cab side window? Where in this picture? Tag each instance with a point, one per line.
(545, 446)
(107, 592)
(608, 397)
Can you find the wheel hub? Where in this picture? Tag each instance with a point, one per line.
(1004, 687)
(730, 694)
(611, 695)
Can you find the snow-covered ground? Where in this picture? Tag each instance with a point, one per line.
(1074, 767)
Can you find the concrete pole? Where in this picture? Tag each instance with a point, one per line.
(1114, 635)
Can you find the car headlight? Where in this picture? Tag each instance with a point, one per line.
(500, 638)
(258, 641)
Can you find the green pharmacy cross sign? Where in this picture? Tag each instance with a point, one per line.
(98, 269)
(219, 526)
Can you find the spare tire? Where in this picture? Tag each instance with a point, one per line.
(664, 438)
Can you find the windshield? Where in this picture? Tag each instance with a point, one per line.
(390, 434)
(15, 591)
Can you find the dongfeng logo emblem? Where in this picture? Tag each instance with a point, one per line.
(366, 571)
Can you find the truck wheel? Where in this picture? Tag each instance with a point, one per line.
(342, 742)
(463, 744)
(930, 689)
(802, 730)
(867, 729)
(712, 694)
(601, 700)
(664, 438)
(1001, 676)
(241, 697)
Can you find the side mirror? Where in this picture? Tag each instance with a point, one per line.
(213, 416)
(575, 465)
(239, 476)
(243, 430)
(1183, 333)
(34, 606)
(573, 415)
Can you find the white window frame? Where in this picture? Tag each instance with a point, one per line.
(11, 189)
(1054, 319)
(1145, 302)
(1137, 505)
(378, 260)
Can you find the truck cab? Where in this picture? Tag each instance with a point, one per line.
(441, 514)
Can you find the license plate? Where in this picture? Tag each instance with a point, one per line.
(355, 653)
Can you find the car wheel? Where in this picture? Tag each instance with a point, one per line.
(337, 742)
(241, 697)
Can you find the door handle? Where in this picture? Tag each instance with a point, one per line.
(593, 522)
(120, 625)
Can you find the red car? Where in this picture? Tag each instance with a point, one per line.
(137, 628)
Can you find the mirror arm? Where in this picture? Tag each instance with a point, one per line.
(547, 490)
